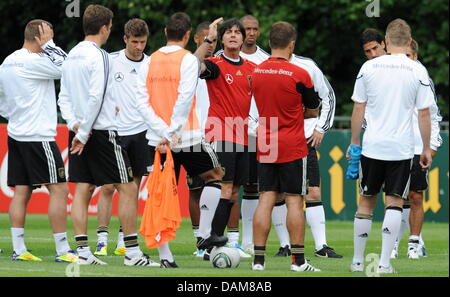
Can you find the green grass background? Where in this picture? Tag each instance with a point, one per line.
(39, 240)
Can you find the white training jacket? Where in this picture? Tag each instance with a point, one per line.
(27, 92)
(83, 86)
(435, 117)
(324, 121)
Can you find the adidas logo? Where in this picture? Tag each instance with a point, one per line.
(204, 207)
(63, 239)
(238, 73)
(386, 231)
(133, 71)
(364, 235)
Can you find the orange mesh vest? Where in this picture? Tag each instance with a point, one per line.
(163, 80)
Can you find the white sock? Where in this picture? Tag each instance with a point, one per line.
(279, 215)
(233, 238)
(195, 230)
(120, 242)
(315, 217)
(405, 223)
(132, 249)
(17, 235)
(248, 208)
(61, 243)
(361, 231)
(165, 253)
(83, 249)
(102, 237)
(414, 238)
(208, 203)
(421, 242)
(390, 229)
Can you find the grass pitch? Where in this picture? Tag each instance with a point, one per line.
(39, 240)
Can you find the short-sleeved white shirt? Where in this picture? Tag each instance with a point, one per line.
(391, 86)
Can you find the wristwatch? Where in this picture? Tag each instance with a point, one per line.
(207, 40)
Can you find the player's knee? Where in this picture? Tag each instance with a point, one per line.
(213, 174)
(313, 194)
(415, 199)
(108, 190)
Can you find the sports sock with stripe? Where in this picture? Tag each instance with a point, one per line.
(391, 226)
(17, 235)
(279, 214)
(83, 249)
(209, 200)
(315, 217)
(298, 254)
(259, 255)
(362, 227)
(165, 253)
(248, 208)
(102, 235)
(132, 246)
(61, 243)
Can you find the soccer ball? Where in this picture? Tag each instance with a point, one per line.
(224, 257)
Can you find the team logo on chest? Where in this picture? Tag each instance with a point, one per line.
(119, 76)
(229, 78)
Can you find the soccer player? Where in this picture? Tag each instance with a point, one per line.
(131, 129)
(282, 90)
(372, 43)
(195, 183)
(96, 158)
(315, 128)
(228, 80)
(388, 88)
(27, 100)
(419, 178)
(252, 52)
(166, 89)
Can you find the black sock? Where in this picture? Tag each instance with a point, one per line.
(221, 216)
(259, 254)
(298, 254)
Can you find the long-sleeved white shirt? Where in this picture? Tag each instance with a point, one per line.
(324, 121)
(435, 117)
(27, 92)
(122, 87)
(158, 129)
(83, 86)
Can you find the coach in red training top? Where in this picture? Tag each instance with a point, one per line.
(283, 94)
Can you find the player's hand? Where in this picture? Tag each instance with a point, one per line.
(316, 139)
(212, 33)
(76, 127)
(45, 34)
(117, 109)
(426, 159)
(77, 147)
(433, 153)
(163, 145)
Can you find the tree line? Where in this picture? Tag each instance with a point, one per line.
(328, 30)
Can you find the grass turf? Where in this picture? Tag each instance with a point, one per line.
(39, 240)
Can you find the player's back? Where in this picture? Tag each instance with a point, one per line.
(390, 85)
(30, 96)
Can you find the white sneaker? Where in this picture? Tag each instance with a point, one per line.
(258, 267)
(242, 253)
(394, 253)
(413, 251)
(357, 267)
(385, 270)
(91, 260)
(304, 267)
(422, 250)
(141, 260)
